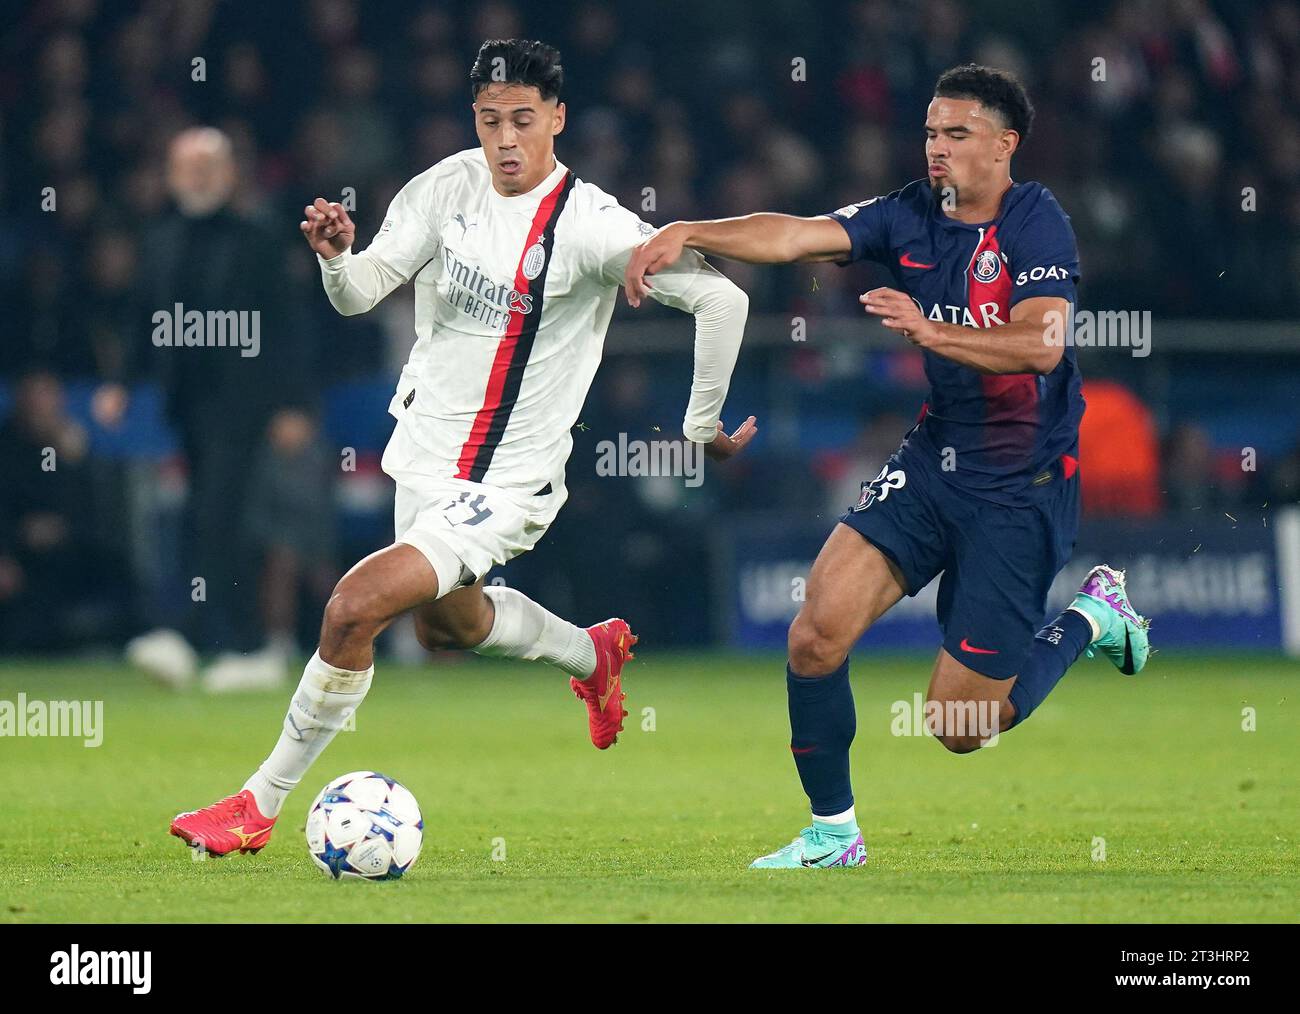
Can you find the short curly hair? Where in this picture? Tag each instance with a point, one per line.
(994, 89)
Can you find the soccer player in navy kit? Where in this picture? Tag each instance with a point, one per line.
(985, 488)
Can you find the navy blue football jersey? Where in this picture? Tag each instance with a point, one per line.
(1010, 434)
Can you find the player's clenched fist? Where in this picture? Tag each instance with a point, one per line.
(328, 228)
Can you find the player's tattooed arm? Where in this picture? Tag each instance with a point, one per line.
(763, 238)
(1020, 346)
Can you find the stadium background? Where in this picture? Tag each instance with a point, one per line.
(1190, 454)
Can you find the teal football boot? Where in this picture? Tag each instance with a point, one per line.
(1123, 637)
(816, 847)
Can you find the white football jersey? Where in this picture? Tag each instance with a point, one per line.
(513, 296)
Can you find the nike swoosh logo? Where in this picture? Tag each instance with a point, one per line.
(1114, 599)
(1127, 668)
(289, 716)
(967, 646)
(813, 862)
(799, 751)
(907, 262)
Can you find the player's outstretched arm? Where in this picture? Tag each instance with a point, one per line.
(691, 284)
(763, 238)
(720, 307)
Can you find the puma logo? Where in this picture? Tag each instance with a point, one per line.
(464, 226)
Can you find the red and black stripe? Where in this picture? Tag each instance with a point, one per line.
(516, 346)
(1010, 399)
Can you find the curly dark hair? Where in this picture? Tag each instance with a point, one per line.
(518, 61)
(994, 89)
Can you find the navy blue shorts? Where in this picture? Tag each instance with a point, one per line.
(998, 562)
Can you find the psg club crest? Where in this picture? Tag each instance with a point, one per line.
(987, 266)
(534, 258)
(879, 487)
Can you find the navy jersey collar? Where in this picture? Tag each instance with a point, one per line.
(1004, 207)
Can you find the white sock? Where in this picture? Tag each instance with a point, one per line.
(1096, 630)
(847, 818)
(325, 699)
(523, 629)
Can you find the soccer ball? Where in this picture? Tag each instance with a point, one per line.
(364, 825)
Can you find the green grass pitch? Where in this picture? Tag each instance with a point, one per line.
(1198, 817)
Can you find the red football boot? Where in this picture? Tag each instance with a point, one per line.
(233, 824)
(603, 692)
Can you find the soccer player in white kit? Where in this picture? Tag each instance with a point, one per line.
(516, 264)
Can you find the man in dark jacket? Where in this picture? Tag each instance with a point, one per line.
(215, 334)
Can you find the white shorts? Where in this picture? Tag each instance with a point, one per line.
(462, 528)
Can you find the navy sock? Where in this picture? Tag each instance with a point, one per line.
(1055, 649)
(822, 724)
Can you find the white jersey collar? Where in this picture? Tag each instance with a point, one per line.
(533, 196)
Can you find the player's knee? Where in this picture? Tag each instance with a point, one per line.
(958, 743)
(946, 722)
(352, 613)
(430, 637)
(814, 650)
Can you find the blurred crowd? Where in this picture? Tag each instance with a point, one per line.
(1154, 116)
(1169, 129)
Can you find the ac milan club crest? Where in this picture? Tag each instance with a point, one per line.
(533, 261)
